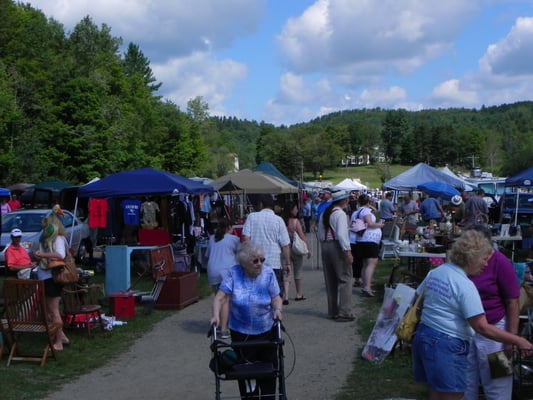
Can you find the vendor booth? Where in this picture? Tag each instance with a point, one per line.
(240, 187)
(421, 174)
(132, 185)
(523, 181)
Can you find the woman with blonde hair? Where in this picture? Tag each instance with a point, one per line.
(52, 247)
(452, 311)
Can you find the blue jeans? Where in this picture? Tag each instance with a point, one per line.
(439, 360)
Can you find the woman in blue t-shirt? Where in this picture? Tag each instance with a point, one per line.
(254, 295)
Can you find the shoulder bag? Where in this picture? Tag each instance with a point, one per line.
(299, 247)
(358, 225)
(65, 271)
(409, 323)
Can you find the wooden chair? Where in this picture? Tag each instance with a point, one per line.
(77, 310)
(5, 338)
(26, 314)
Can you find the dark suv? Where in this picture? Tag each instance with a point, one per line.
(525, 208)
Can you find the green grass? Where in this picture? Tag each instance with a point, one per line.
(393, 377)
(366, 381)
(371, 176)
(29, 381)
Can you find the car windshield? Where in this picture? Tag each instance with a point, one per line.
(523, 201)
(26, 222)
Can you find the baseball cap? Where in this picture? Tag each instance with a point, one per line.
(16, 233)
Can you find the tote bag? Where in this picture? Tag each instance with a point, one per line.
(409, 323)
(299, 247)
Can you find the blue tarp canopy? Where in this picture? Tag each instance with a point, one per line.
(145, 181)
(524, 178)
(5, 192)
(422, 173)
(439, 189)
(269, 169)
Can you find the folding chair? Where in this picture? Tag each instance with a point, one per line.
(391, 233)
(26, 314)
(148, 300)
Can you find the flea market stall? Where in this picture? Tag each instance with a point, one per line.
(130, 187)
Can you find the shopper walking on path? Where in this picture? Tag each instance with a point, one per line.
(294, 227)
(171, 361)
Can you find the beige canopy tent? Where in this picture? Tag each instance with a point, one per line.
(252, 182)
(237, 187)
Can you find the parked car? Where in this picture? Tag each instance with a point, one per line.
(525, 208)
(29, 222)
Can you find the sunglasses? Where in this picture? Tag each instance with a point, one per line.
(258, 260)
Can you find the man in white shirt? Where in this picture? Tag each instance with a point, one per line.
(268, 230)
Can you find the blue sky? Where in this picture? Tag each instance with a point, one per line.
(289, 61)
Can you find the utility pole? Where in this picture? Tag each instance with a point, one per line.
(473, 157)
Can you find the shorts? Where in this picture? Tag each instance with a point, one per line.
(52, 289)
(296, 268)
(367, 250)
(439, 360)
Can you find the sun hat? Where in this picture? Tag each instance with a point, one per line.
(16, 233)
(339, 195)
(456, 200)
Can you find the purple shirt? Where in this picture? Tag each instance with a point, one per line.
(496, 283)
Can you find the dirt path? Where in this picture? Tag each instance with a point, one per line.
(171, 361)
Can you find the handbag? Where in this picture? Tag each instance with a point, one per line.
(409, 323)
(499, 365)
(299, 247)
(66, 272)
(358, 225)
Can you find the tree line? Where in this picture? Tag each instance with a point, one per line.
(74, 107)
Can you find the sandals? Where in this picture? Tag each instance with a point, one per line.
(300, 298)
(367, 293)
(344, 318)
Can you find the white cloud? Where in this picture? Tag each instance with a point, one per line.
(197, 75)
(397, 34)
(295, 89)
(512, 56)
(356, 46)
(450, 94)
(166, 28)
(504, 75)
(383, 97)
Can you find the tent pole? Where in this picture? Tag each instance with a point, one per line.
(73, 221)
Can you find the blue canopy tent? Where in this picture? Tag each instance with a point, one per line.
(420, 174)
(144, 181)
(5, 192)
(269, 169)
(524, 178)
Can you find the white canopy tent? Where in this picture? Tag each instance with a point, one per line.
(349, 185)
